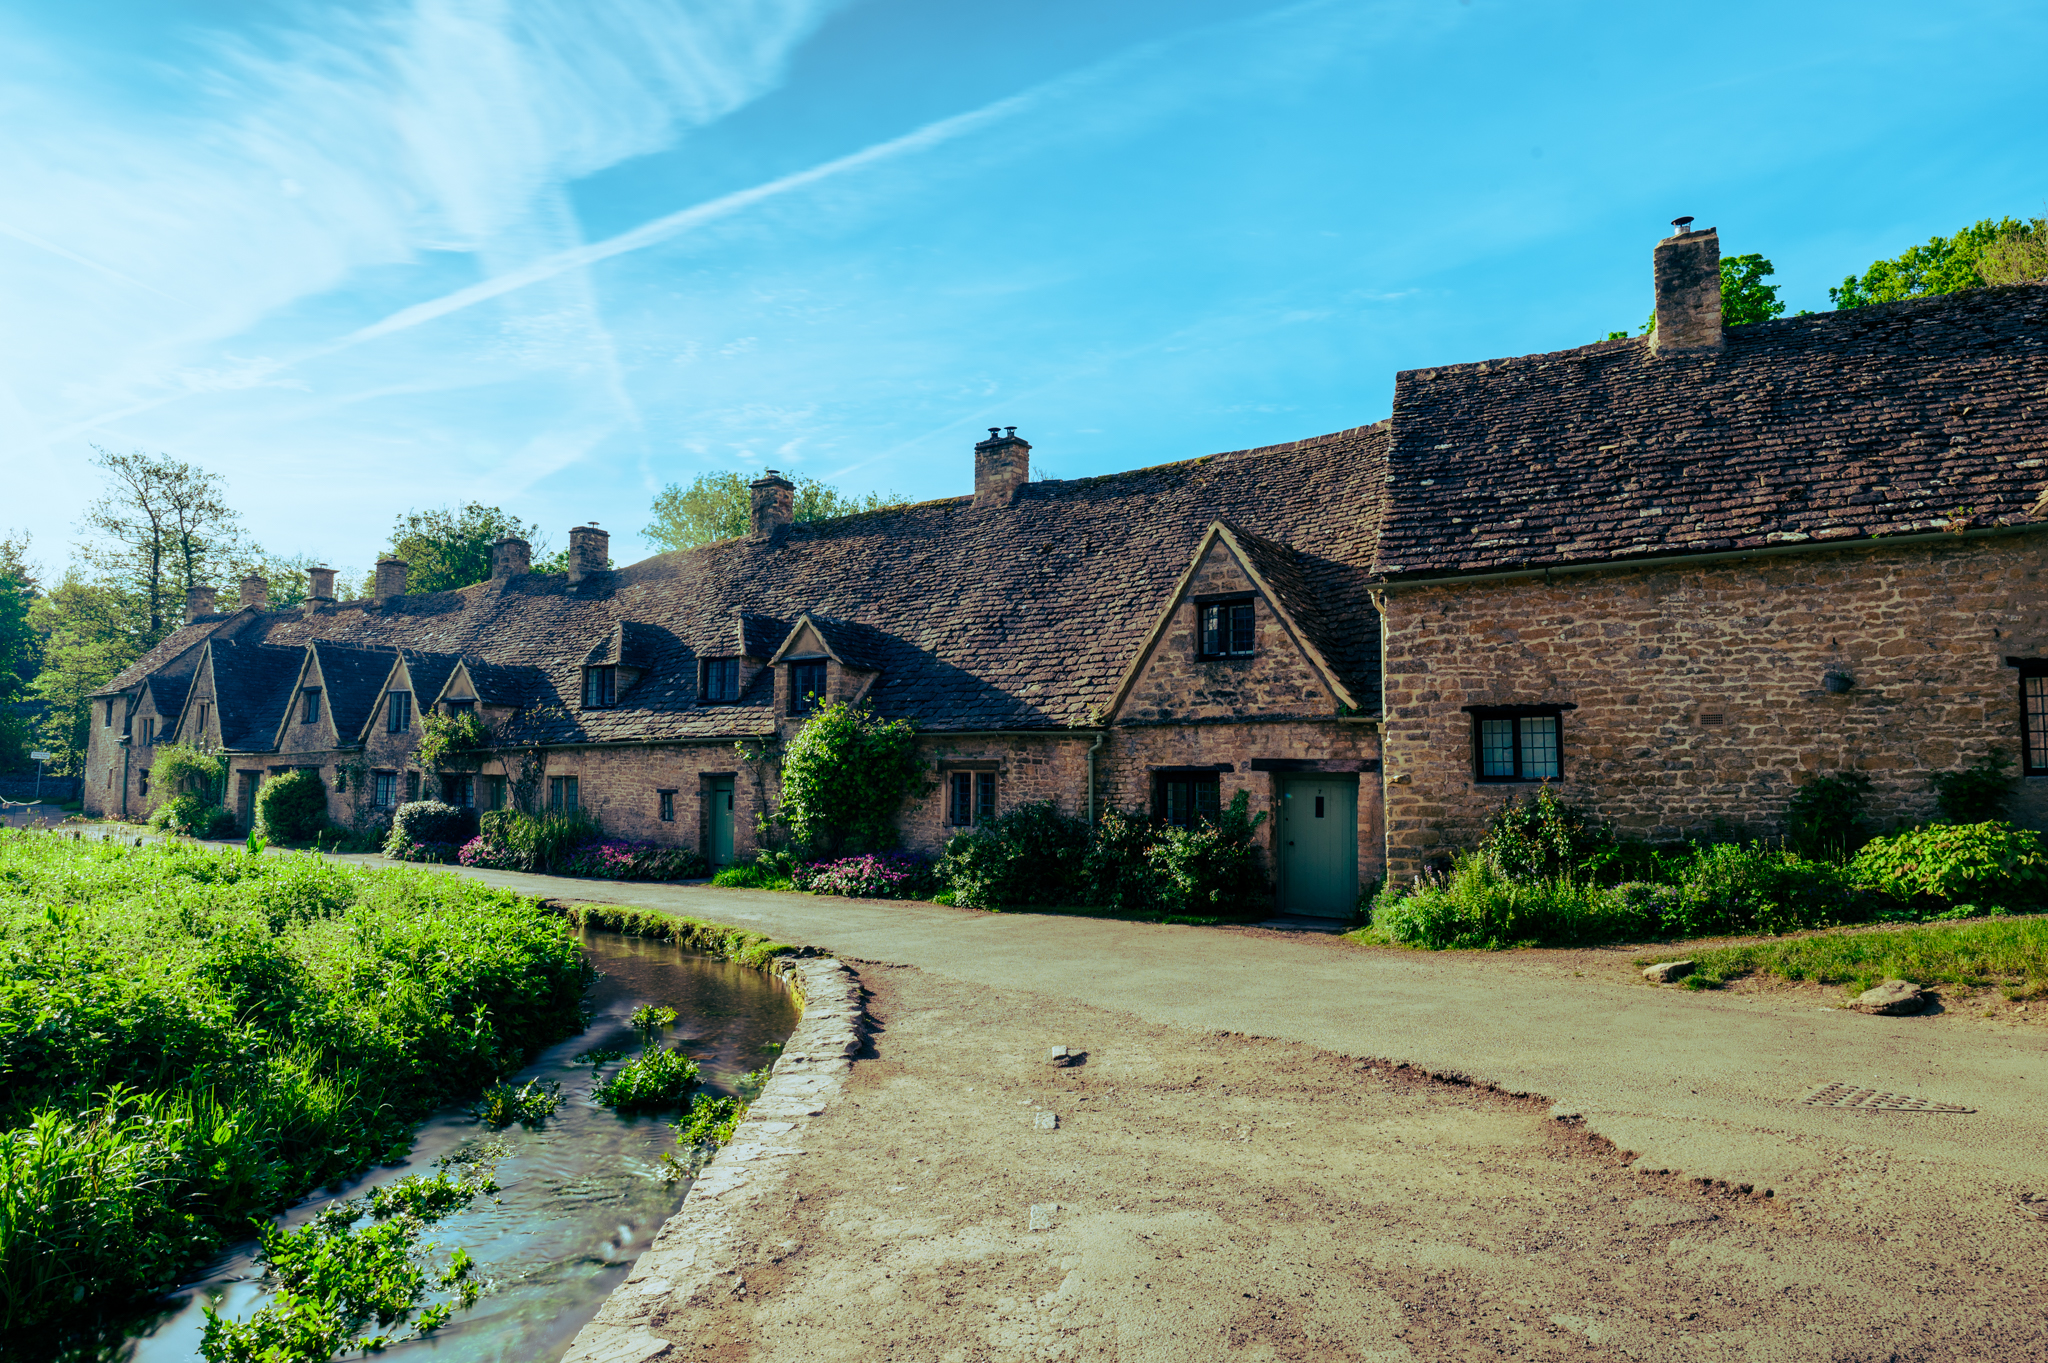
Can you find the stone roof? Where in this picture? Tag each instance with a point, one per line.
(1922, 416)
(355, 679)
(167, 693)
(252, 684)
(1017, 617)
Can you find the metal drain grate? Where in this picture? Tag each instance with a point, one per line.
(1848, 1095)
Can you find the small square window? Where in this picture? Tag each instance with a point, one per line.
(1518, 747)
(1185, 799)
(1229, 629)
(806, 686)
(459, 791)
(398, 712)
(721, 680)
(459, 707)
(600, 688)
(562, 794)
(149, 732)
(384, 789)
(666, 800)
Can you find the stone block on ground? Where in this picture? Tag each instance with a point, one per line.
(1891, 999)
(1664, 972)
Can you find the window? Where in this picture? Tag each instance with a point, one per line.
(384, 789)
(1188, 798)
(562, 794)
(806, 687)
(459, 791)
(970, 797)
(721, 680)
(600, 687)
(145, 781)
(148, 735)
(460, 707)
(200, 732)
(494, 792)
(110, 715)
(667, 802)
(412, 785)
(398, 712)
(341, 780)
(2034, 719)
(1228, 629)
(311, 710)
(1514, 745)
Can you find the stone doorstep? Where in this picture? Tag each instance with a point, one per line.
(681, 1263)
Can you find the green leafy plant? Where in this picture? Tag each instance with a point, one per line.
(1114, 866)
(530, 1104)
(255, 843)
(452, 742)
(181, 769)
(709, 1124)
(1032, 854)
(654, 1078)
(190, 815)
(429, 822)
(1477, 904)
(291, 807)
(1541, 836)
(1825, 815)
(652, 1019)
(357, 1263)
(1941, 866)
(1976, 794)
(751, 878)
(1212, 868)
(546, 842)
(844, 776)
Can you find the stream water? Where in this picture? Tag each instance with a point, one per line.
(579, 1198)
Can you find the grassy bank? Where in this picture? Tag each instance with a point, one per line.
(2008, 953)
(191, 1038)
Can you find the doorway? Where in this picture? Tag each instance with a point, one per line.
(721, 820)
(1318, 846)
(245, 798)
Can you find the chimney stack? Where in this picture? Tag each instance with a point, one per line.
(319, 588)
(1002, 464)
(1687, 269)
(198, 602)
(255, 591)
(589, 551)
(773, 506)
(390, 578)
(509, 558)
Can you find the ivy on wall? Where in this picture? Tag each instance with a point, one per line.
(844, 776)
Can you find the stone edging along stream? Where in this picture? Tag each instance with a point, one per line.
(690, 1252)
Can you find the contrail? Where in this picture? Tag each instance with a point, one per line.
(89, 264)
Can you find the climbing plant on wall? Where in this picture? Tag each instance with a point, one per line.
(844, 776)
(452, 742)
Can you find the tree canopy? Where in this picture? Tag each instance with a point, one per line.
(21, 652)
(1948, 264)
(715, 506)
(449, 548)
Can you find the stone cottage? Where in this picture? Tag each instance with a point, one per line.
(1673, 575)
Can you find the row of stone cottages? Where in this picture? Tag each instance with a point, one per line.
(1674, 575)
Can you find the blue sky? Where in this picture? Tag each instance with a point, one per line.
(373, 257)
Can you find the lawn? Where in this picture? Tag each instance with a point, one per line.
(2010, 954)
(192, 1038)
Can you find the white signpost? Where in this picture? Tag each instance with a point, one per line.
(39, 758)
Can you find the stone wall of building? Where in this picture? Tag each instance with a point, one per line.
(1699, 689)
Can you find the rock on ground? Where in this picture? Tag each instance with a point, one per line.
(1892, 997)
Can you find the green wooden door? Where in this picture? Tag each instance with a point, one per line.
(721, 821)
(1318, 839)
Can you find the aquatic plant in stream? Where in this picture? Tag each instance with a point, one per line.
(360, 1262)
(530, 1105)
(711, 1122)
(651, 1019)
(654, 1078)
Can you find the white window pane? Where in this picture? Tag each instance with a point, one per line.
(1539, 747)
(1496, 747)
(2037, 722)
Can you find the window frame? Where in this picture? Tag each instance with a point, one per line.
(601, 687)
(1196, 783)
(665, 806)
(494, 793)
(564, 794)
(819, 695)
(398, 712)
(714, 668)
(309, 705)
(456, 708)
(1221, 643)
(412, 787)
(383, 790)
(2031, 733)
(148, 734)
(1518, 746)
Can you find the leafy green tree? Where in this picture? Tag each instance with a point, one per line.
(162, 526)
(21, 650)
(2017, 257)
(449, 548)
(90, 630)
(1745, 298)
(715, 506)
(1943, 265)
(844, 776)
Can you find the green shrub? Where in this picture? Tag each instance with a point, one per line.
(1825, 816)
(1750, 887)
(530, 1104)
(517, 841)
(1114, 867)
(451, 742)
(1944, 865)
(844, 776)
(1976, 794)
(1212, 868)
(291, 807)
(1032, 854)
(1478, 905)
(752, 878)
(429, 822)
(653, 1078)
(180, 769)
(1542, 836)
(191, 815)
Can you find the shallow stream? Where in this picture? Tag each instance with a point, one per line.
(579, 1198)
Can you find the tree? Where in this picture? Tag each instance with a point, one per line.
(90, 630)
(2017, 257)
(164, 526)
(716, 506)
(1943, 265)
(1745, 298)
(447, 549)
(21, 651)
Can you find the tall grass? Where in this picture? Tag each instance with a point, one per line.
(191, 1038)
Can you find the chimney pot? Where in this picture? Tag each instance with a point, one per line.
(589, 551)
(510, 557)
(391, 574)
(1002, 464)
(1686, 268)
(198, 602)
(255, 591)
(772, 506)
(319, 588)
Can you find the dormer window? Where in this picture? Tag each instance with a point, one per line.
(460, 707)
(1229, 629)
(721, 680)
(600, 688)
(310, 705)
(806, 686)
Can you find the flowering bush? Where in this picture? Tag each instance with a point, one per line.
(442, 853)
(875, 876)
(616, 859)
(479, 851)
(1991, 863)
